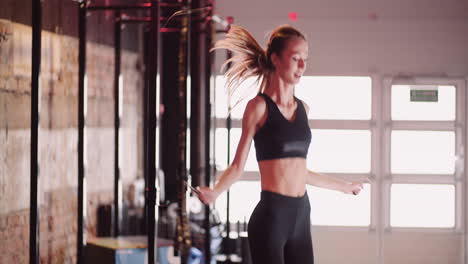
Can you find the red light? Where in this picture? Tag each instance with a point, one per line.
(292, 16)
(373, 16)
(230, 20)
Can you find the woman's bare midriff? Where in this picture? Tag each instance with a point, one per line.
(286, 176)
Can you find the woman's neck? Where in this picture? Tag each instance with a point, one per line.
(280, 91)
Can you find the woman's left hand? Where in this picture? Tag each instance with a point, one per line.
(354, 188)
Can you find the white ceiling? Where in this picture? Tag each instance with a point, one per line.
(344, 9)
(351, 37)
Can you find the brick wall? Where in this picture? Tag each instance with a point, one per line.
(14, 237)
(58, 139)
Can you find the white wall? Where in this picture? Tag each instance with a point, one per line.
(426, 37)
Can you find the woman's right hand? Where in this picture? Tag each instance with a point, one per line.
(207, 195)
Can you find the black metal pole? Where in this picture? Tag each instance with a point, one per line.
(228, 202)
(152, 121)
(145, 122)
(117, 116)
(228, 209)
(81, 127)
(206, 45)
(35, 95)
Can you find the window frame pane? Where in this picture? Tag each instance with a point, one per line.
(395, 157)
(406, 202)
(322, 108)
(361, 133)
(423, 106)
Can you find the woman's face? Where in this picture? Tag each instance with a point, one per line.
(291, 63)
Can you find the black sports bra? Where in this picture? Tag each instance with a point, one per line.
(280, 138)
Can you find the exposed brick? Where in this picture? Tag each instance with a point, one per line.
(6, 52)
(23, 84)
(44, 259)
(18, 112)
(13, 220)
(3, 223)
(4, 245)
(25, 232)
(7, 258)
(59, 104)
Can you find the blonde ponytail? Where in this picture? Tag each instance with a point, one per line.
(249, 59)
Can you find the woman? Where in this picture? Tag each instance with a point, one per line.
(279, 228)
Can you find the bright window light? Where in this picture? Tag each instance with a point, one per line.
(251, 162)
(244, 196)
(332, 208)
(404, 109)
(243, 94)
(221, 98)
(329, 97)
(428, 152)
(336, 97)
(422, 205)
(221, 149)
(346, 151)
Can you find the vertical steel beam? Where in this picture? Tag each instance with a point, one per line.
(151, 101)
(117, 118)
(145, 121)
(200, 108)
(206, 86)
(228, 198)
(35, 98)
(81, 129)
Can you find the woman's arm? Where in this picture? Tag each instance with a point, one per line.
(252, 115)
(332, 183)
(329, 182)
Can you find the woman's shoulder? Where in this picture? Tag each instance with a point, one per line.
(257, 103)
(256, 107)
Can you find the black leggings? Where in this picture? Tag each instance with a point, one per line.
(279, 230)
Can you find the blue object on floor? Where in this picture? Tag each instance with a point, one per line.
(195, 256)
(162, 255)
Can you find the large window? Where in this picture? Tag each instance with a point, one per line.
(410, 149)
(423, 154)
(343, 149)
